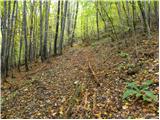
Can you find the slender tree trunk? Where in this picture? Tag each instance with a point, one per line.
(134, 29)
(97, 21)
(25, 35)
(156, 12)
(63, 27)
(20, 50)
(146, 26)
(133, 12)
(118, 5)
(57, 29)
(45, 51)
(125, 12)
(8, 39)
(69, 20)
(41, 29)
(62, 13)
(4, 44)
(128, 14)
(31, 32)
(149, 13)
(74, 27)
(13, 42)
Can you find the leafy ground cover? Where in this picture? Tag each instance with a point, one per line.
(86, 82)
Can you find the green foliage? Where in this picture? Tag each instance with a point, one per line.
(140, 91)
(123, 54)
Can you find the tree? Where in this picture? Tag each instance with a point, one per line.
(69, 20)
(41, 29)
(45, 52)
(4, 38)
(13, 40)
(57, 28)
(31, 31)
(63, 27)
(25, 35)
(75, 22)
(149, 13)
(8, 39)
(145, 22)
(97, 21)
(156, 13)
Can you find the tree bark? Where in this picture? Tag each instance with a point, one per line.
(156, 12)
(63, 27)
(149, 13)
(45, 51)
(41, 30)
(146, 26)
(13, 41)
(74, 27)
(97, 21)
(25, 35)
(31, 33)
(57, 29)
(4, 38)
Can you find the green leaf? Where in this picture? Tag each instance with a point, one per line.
(132, 85)
(151, 95)
(138, 94)
(145, 98)
(148, 82)
(129, 92)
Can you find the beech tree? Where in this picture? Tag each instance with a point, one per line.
(25, 35)
(32, 31)
(63, 27)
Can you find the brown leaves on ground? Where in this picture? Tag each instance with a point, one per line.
(66, 87)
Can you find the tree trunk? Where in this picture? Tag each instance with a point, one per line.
(13, 42)
(57, 29)
(20, 50)
(8, 39)
(149, 13)
(45, 51)
(125, 13)
(133, 12)
(118, 5)
(41, 29)
(31, 32)
(156, 12)
(4, 44)
(63, 27)
(74, 27)
(97, 21)
(128, 14)
(146, 26)
(69, 20)
(25, 35)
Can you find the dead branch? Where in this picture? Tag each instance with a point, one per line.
(93, 74)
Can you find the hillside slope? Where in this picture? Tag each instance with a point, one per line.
(85, 82)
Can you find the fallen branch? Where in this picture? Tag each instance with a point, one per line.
(93, 74)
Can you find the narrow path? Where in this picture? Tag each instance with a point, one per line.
(65, 87)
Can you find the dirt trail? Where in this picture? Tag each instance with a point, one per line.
(66, 88)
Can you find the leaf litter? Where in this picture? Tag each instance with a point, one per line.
(67, 86)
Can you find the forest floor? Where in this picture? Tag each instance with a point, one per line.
(85, 82)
